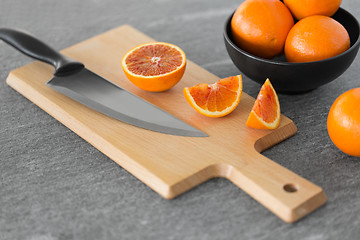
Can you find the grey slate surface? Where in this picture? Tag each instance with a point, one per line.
(54, 185)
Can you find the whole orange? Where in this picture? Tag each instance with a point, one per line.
(316, 38)
(260, 27)
(305, 8)
(343, 122)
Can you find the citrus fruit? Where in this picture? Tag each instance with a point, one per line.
(305, 8)
(316, 38)
(265, 114)
(154, 67)
(343, 122)
(217, 99)
(260, 27)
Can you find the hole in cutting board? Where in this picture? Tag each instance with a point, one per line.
(291, 188)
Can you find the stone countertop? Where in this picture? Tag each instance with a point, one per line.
(54, 185)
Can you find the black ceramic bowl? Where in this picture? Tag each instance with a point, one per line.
(289, 77)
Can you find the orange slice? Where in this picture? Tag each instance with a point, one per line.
(154, 67)
(265, 113)
(215, 100)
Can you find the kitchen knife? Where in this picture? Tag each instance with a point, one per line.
(72, 79)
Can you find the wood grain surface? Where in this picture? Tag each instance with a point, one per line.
(168, 164)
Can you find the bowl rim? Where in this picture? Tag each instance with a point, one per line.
(270, 61)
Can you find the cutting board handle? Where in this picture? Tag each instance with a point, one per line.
(283, 192)
(33, 47)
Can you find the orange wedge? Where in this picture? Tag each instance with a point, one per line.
(265, 113)
(154, 67)
(215, 100)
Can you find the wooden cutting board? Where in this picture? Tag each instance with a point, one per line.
(171, 165)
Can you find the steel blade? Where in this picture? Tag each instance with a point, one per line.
(100, 94)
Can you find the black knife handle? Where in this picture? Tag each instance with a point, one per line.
(33, 47)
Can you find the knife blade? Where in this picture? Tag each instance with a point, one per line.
(72, 79)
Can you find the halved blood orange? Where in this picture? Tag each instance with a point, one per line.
(265, 113)
(215, 100)
(155, 66)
